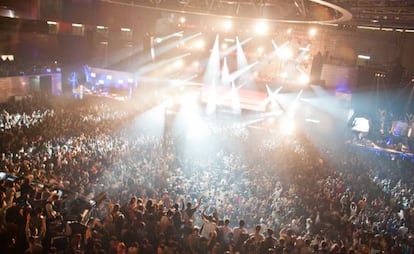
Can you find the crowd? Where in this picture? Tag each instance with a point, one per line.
(83, 179)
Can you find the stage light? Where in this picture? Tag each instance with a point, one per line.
(288, 126)
(199, 44)
(108, 77)
(271, 120)
(303, 79)
(261, 28)
(285, 53)
(158, 40)
(312, 32)
(364, 57)
(196, 64)
(227, 25)
(93, 75)
(178, 64)
(101, 82)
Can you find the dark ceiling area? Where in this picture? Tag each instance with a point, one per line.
(378, 13)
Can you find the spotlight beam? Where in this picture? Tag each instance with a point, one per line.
(272, 97)
(233, 76)
(169, 36)
(151, 67)
(234, 47)
(277, 48)
(164, 49)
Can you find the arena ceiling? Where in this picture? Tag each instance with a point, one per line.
(378, 13)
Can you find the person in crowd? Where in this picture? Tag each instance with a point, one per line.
(334, 199)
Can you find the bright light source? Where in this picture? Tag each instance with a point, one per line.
(51, 22)
(227, 25)
(93, 75)
(108, 77)
(368, 27)
(309, 120)
(260, 50)
(158, 40)
(183, 20)
(200, 44)
(125, 29)
(304, 79)
(360, 124)
(364, 57)
(77, 25)
(101, 82)
(271, 120)
(289, 31)
(313, 31)
(261, 28)
(283, 75)
(120, 81)
(288, 126)
(100, 27)
(178, 64)
(285, 53)
(224, 46)
(196, 64)
(130, 80)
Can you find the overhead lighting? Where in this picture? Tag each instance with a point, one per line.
(312, 32)
(368, 27)
(399, 30)
(77, 25)
(387, 29)
(100, 27)
(409, 30)
(227, 24)
(125, 29)
(261, 28)
(51, 22)
(364, 57)
(329, 24)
